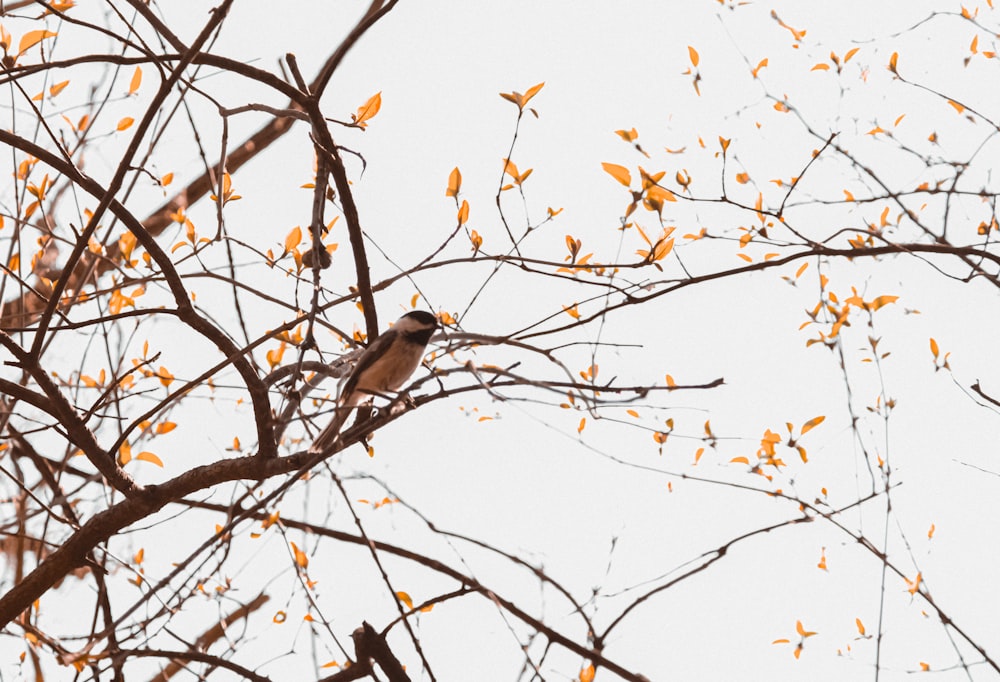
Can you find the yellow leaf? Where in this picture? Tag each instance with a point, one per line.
(619, 173)
(454, 183)
(32, 38)
(812, 423)
(693, 54)
(405, 598)
(136, 81)
(368, 110)
(150, 457)
(125, 123)
(293, 239)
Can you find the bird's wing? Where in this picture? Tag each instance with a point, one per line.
(348, 398)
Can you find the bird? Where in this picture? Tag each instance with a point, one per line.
(383, 367)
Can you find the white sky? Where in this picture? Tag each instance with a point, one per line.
(526, 482)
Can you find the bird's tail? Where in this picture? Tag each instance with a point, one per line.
(329, 435)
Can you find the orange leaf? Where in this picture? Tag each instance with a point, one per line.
(880, 301)
(587, 674)
(124, 454)
(165, 427)
(531, 92)
(150, 457)
(861, 626)
(850, 53)
(125, 123)
(619, 173)
(136, 81)
(820, 67)
(32, 38)
(760, 65)
(406, 599)
(693, 54)
(463, 213)
(892, 61)
(801, 630)
(57, 88)
(739, 460)
(811, 424)
(293, 239)
(958, 107)
(583, 423)
(166, 378)
(454, 183)
(300, 557)
(368, 110)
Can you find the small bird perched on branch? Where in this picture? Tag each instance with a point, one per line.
(383, 367)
